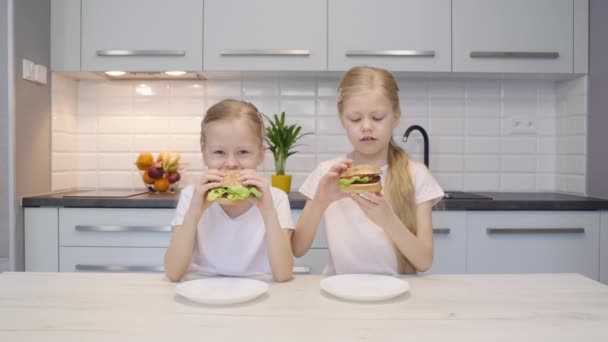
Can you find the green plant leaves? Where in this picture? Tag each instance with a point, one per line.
(281, 140)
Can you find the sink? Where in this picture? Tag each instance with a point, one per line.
(464, 195)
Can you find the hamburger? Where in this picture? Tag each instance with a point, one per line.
(232, 191)
(361, 178)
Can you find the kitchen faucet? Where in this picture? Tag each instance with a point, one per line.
(424, 136)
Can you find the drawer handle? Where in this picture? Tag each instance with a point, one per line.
(265, 52)
(514, 54)
(441, 231)
(302, 269)
(122, 229)
(398, 53)
(535, 230)
(141, 53)
(118, 268)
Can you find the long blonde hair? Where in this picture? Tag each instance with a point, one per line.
(230, 109)
(398, 185)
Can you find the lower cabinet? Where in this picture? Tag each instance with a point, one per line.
(111, 259)
(533, 242)
(449, 235)
(134, 240)
(313, 262)
(604, 248)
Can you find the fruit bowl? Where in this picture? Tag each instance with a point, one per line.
(162, 174)
(168, 183)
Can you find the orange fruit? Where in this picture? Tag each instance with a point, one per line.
(144, 160)
(161, 185)
(147, 178)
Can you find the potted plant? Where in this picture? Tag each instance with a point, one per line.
(281, 140)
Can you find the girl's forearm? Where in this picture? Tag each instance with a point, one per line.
(279, 247)
(180, 250)
(307, 226)
(414, 249)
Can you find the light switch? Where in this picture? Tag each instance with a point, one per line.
(29, 70)
(40, 74)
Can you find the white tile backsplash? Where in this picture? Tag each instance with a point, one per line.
(100, 126)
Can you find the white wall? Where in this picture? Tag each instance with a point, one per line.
(99, 127)
(5, 145)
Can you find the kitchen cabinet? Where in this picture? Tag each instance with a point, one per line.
(410, 35)
(512, 36)
(449, 235)
(41, 235)
(142, 35)
(530, 242)
(318, 255)
(65, 35)
(265, 35)
(604, 248)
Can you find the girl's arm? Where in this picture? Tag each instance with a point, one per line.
(279, 248)
(183, 239)
(418, 249)
(327, 192)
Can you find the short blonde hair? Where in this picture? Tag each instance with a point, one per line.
(398, 186)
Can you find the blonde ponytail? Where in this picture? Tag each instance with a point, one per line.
(400, 193)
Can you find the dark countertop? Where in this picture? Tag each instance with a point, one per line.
(494, 201)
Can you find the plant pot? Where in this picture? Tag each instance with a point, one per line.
(282, 182)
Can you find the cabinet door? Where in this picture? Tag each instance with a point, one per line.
(449, 235)
(265, 35)
(111, 259)
(313, 262)
(65, 35)
(533, 36)
(533, 242)
(142, 35)
(604, 248)
(320, 240)
(41, 239)
(115, 227)
(400, 35)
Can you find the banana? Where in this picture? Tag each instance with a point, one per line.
(173, 162)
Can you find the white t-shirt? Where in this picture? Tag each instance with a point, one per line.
(356, 244)
(227, 246)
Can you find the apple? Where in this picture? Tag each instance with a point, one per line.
(155, 170)
(173, 177)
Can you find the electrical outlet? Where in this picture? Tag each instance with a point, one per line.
(523, 126)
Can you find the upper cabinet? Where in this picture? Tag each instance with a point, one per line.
(513, 36)
(399, 35)
(142, 35)
(65, 35)
(265, 35)
(498, 36)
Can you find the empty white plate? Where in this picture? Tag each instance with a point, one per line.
(364, 287)
(221, 290)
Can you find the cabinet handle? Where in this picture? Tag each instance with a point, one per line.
(118, 268)
(302, 269)
(401, 53)
(106, 229)
(535, 230)
(513, 54)
(265, 52)
(141, 53)
(441, 231)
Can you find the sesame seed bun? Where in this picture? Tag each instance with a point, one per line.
(361, 170)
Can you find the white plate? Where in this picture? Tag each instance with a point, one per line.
(221, 290)
(364, 287)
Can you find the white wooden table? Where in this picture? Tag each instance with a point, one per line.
(143, 307)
